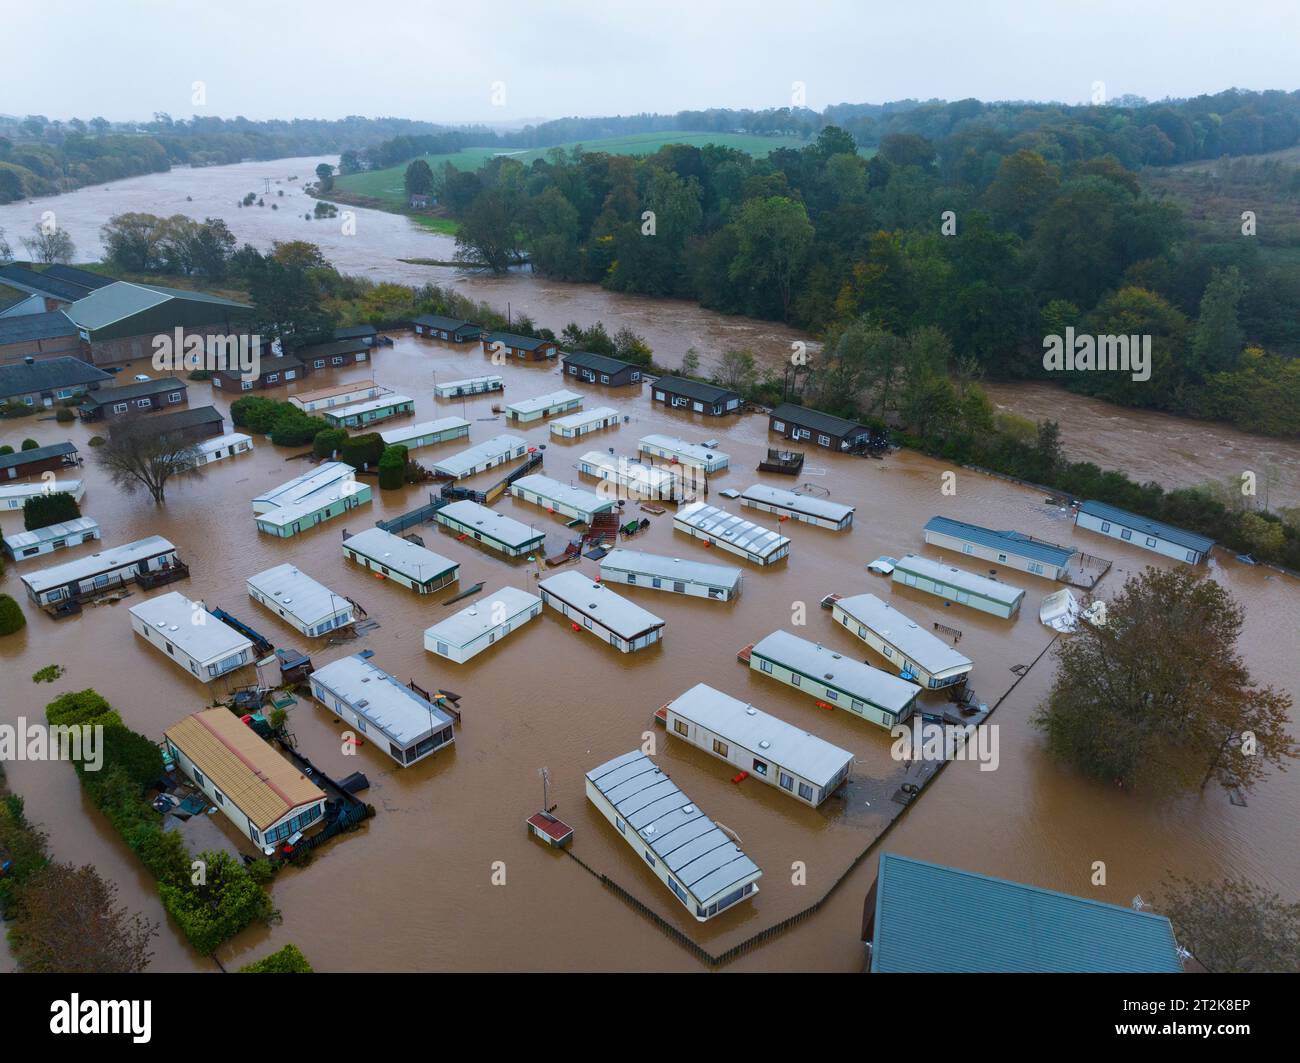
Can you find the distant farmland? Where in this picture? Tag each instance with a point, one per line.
(385, 186)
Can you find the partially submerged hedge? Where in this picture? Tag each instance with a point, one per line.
(211, 896)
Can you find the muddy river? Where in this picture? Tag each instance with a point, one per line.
(414, 889)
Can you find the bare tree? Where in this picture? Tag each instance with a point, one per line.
(6, 252)
(134, 456)
(50, 244)
(1234, 926)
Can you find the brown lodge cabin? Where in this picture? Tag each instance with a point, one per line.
(684, 394)
(798, 423)
(24, 463)
(600, 369)
(190, 426)
(525, 348)
(276, 372)
(139, 397)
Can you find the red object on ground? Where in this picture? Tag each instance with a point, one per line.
(553, 828)
(824, 705)
(741, 777)
(576, 627)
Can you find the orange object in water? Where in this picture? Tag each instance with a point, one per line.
(741, 777)
(824, 705)
(380, 575)
(576, 627)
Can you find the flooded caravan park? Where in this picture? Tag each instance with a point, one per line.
(414, 889)
(1148, 445)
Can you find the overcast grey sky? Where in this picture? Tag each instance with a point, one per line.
(438, 61)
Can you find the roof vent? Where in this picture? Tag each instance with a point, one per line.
(649, 829)
(688, 809)
(751, 711)
(764, 744)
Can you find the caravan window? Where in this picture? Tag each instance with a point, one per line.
(681, 727)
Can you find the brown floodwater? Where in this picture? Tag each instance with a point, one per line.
(414, 889)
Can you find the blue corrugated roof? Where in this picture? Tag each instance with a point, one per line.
(1010, 541)
(931, 918)
(1147, 526)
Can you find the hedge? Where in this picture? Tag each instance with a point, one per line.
(288, 960)
(12, 618)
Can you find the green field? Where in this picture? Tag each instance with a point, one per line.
(386, 185)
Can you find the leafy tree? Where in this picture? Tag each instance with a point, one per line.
(392, 468)
(288, 960)
(69, 922)
(325, 176)
(774, 235)
(287, 303)
(1158, 697)
(737, 371)
(329, 442)
(30, 444)
(418, 179)
(1218, 339)
(1234, 926)
(488, 235)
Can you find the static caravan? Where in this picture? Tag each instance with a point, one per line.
(557, 497)
(964, 588)
(735, 534)
(820, 672)
(191, 636)
(450, 329)
(807, 509)
(681, 452)
(427, 433)
(540, 406)
(590, 605)
(485, 623)
(632, 478)
(338, 395)
(475, 385)
(1010, 548)
(372, 411)
(300, 601)
(221, 447)
(266, 796)
(639, 569)
(330, 490)
(15, 496)
(581, 424)
(804, 766)
(103, 571)
(918, 654)
(1154, 535)
(486, 455)
(834, 433)
(687, 851)
(328, 474)
(390, 716)
(492, 529)
(22, 545)
(401, 560)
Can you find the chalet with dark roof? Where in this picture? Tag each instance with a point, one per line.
(51, 458)
(798, 423)
(191, 426)
(524, 348)
(599, 369)
(126, 400)
(447, 329)
(41, 336)
(43, 382)
(682, 393)
(272, 373)
(333, 355)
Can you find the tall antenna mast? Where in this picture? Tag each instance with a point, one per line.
(546, 781)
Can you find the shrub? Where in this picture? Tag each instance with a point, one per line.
(288, 960)
(96, 441)
(48, 674)
(329, 441)
(6, 449)
(362, 451)
(40, 511)
(254, 413)
(11, 616)
(392, 468)
(64, 415)
(217, 909)
(81, 707)
(293, 428)
(30, 444)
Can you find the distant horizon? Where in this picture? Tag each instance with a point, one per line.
(509, 62)
(538, 120)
